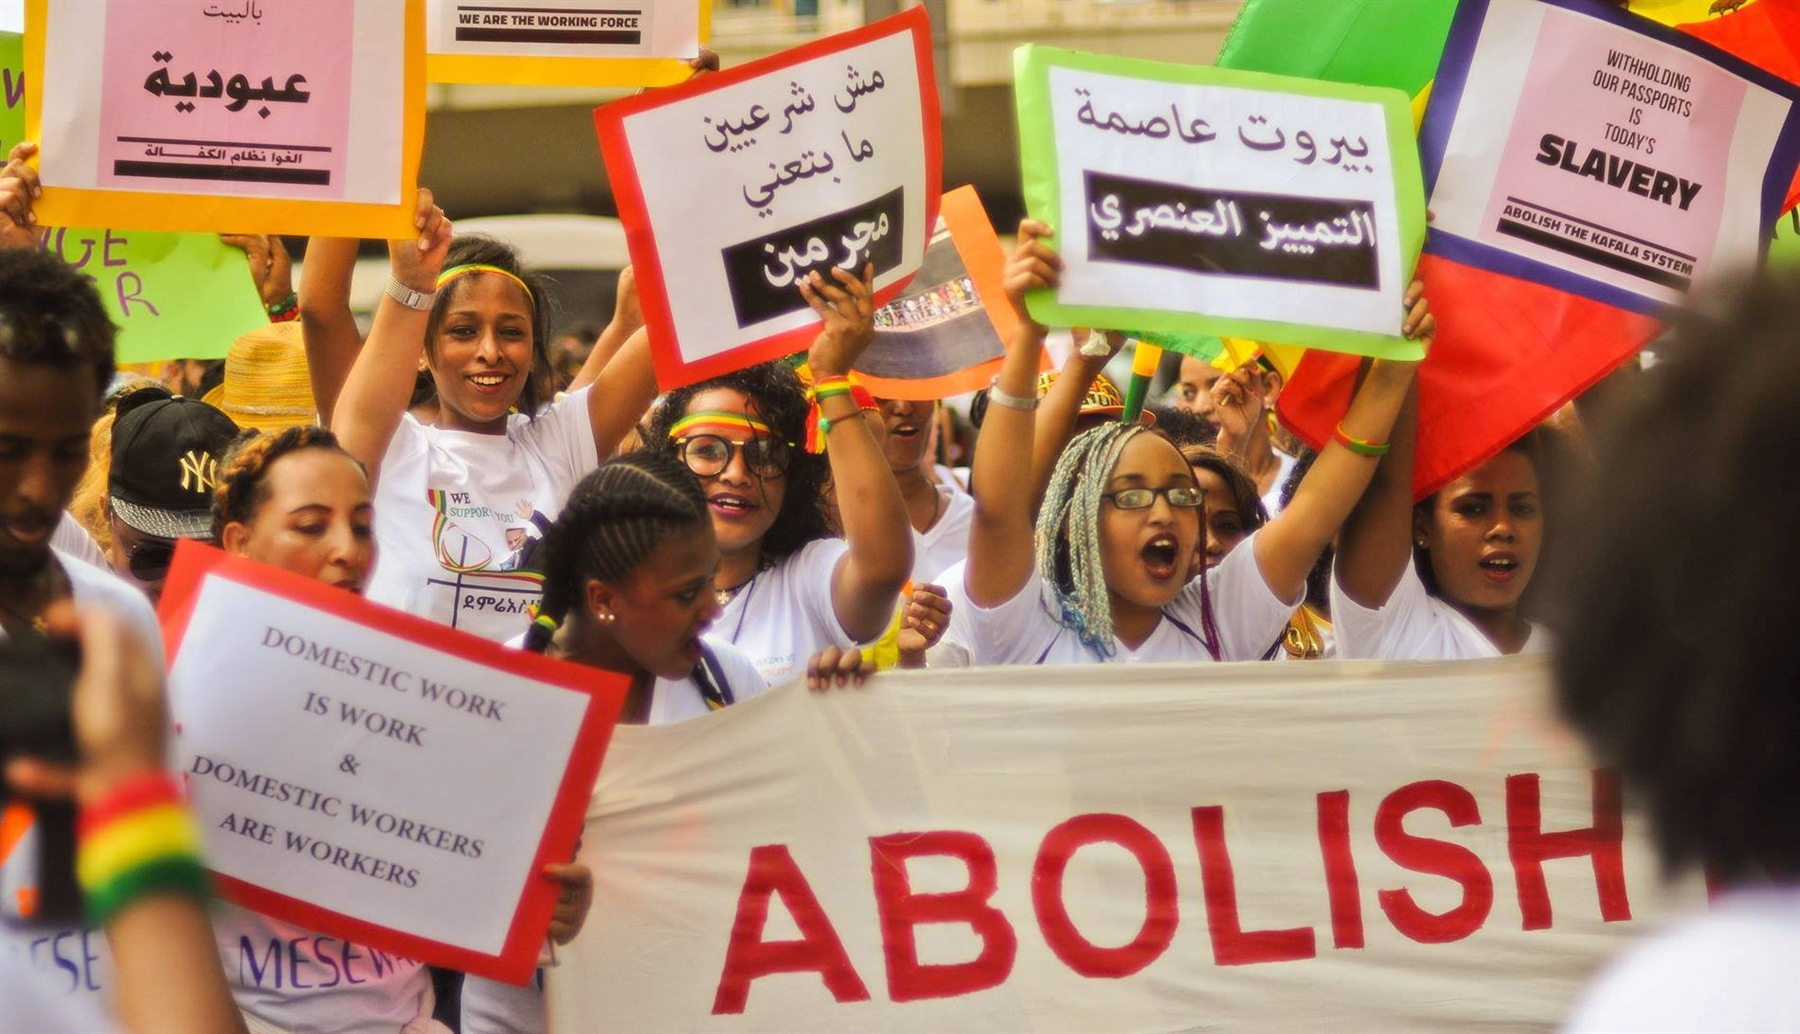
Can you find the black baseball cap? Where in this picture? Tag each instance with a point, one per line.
(165, 463)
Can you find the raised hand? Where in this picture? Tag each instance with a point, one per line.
(847, 305)
(1034, 265)
(416, 262)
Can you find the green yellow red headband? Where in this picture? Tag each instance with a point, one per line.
(458, 272)
(712, 422)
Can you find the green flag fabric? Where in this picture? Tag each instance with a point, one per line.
(1391, 43)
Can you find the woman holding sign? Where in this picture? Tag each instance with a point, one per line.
(788, 588)
(464, 487)
(1119, 570)
(297, 501)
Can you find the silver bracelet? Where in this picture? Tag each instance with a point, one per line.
(1001, 398)
(416, 300)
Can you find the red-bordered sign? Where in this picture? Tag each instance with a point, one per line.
(701, 173)
(196, 564)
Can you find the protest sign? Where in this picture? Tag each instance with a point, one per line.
(1203, 201)
(948, 332)
(230, 117)
(373, 775)
(564, 42)
(1585, 148)
(736, 186)
(1111, 848)
(172, 295)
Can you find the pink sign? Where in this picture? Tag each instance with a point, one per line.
(1626, 168)
(250, 93)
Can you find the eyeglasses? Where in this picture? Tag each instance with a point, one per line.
(708, 455)
(149, 561)
(1184, 497)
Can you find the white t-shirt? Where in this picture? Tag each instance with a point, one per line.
(455, 509)
(1249, 616)
(784, 615)
(32, 1007)
(491, 1007)
(1734, 968)
(1272, 499)
(72, 964)
(945, 543)
(954, 478)
(1414, 625)
(289, 978)
(71, 539)
(955, 648)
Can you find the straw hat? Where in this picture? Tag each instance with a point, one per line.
(266, 384)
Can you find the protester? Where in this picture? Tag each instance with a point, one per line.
(56, 359)
(938, 513)
(1441, 580)
(463, 492)
(165, 975)
(1672, 660)
(1243, 402)
(1193, 388)
(160, 482)
(789, 588)
(296, 500)
(1117, 544)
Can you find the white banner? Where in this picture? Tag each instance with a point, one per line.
(1121, 848)
(365, 773)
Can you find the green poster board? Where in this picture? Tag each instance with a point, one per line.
(173, 295)
(1204, 201)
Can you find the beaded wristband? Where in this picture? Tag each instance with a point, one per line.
(286, 309)
(1358, 445)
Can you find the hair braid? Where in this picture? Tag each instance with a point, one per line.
(1068, 533)
(242, 485)
(614, 520)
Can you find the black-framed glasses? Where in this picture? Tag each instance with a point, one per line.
(1182, 497)
(707, 455)
(149, 561)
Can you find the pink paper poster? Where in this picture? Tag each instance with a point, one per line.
(1618, 154)
(251, 93)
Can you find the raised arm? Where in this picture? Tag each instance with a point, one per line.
(380, 383)
(627, 319)
(1001, 533)
(332, 340)
(1289, 545)
(1375, 544)
(1061, 408)
(622, 392)
(870, 576)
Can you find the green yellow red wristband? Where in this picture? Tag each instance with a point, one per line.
(140, 839)
(1358, 445)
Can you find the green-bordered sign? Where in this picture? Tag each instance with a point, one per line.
(1197, 200)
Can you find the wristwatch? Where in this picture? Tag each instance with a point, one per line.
(416, 300)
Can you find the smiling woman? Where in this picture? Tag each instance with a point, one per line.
(467, 483)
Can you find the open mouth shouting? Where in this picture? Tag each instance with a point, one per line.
(1500, 567)
(1162, 555)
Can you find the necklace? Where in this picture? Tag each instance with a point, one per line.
(33, 615)
(725, 596)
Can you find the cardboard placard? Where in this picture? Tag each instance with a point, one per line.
(380, 778)
(564, 42)
(1198, 200)
(733, 186)
(233, 117)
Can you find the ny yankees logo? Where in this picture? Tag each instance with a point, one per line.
(201, 469)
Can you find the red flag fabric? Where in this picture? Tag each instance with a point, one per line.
(1765, 33)
(1508, 354)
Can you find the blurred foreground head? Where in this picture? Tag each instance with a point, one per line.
(1675, 601)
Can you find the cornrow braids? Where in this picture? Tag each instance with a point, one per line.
(479, 249)
(777, 399)
(614, 520)
(243, 473)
